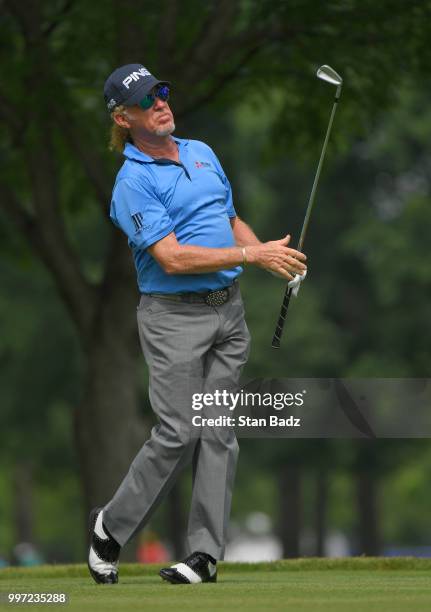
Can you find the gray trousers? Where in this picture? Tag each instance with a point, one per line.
(189, 348)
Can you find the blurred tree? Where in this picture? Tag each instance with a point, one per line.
(23, 497)
(366, 312)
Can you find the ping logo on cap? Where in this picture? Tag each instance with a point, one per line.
(135, 76)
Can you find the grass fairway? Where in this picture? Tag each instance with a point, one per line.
(351, 585)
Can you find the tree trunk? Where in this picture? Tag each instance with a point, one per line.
(23, 510)
(367, 504)
(320, 510)
(108, 429)
(290, 510)
(105, 427)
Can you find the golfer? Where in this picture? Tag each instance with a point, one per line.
(174, 203)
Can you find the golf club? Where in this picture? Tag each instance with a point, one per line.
(328, 74)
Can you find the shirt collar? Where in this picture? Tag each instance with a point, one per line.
(132, 152)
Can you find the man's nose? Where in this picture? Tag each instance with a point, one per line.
(159, 103)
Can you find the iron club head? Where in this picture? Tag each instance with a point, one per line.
(326, 73)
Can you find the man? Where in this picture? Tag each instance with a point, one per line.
(174, 202)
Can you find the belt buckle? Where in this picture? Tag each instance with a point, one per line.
(217, 297)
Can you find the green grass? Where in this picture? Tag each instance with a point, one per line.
(348, 585)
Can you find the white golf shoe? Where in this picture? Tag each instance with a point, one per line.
(103, 551)
(198, 567)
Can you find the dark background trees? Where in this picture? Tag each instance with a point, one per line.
(73, 384)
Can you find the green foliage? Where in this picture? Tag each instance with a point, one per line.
(40, 377)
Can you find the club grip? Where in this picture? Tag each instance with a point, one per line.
(281, 319)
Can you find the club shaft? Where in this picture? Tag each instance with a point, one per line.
(276, 339)
(317, 175)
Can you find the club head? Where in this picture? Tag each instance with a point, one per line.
(326, 73)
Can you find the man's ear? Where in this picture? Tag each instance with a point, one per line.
(120, 119)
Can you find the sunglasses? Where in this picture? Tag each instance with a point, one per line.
(161, 92)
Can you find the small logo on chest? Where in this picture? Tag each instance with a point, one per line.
(200, 164)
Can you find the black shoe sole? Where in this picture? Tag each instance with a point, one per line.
(98, 578)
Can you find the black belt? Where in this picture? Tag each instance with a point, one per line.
(218, 297)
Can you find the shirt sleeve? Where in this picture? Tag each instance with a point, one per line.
(229, 200)
(136, 209)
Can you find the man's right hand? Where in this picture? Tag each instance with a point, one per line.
(277, 257)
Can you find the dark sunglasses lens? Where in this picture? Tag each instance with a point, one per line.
(147, 102)
(163, 93)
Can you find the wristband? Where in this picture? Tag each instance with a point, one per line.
(244, 256)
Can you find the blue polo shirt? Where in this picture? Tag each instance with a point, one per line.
(192, 198)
